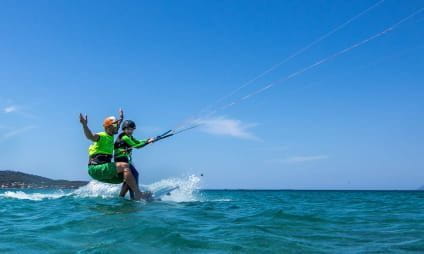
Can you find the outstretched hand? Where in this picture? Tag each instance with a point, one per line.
(121, 115)
(83, 119)
(151, 140)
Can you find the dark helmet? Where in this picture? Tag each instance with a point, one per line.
(128, 124)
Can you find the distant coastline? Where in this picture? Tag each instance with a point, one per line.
(19, 180)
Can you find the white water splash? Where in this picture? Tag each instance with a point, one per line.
(187, 189)
(96, 189)
(186, 192)
(33, 196)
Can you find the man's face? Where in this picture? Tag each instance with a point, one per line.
(112, 129)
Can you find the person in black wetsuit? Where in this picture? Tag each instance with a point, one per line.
(123, 151)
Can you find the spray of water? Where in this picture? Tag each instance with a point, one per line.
(187, 191)
(33, 196)
(95, 189)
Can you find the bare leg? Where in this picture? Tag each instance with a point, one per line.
(134, 172)
(124, 190)
(122, 167)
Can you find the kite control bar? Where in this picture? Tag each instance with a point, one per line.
(164, 135)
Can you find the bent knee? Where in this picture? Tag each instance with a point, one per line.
(122, 166)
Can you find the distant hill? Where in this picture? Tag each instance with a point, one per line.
(14, 179)
(422, 188)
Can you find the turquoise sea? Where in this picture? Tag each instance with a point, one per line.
(93, 220)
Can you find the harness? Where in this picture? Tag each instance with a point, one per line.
(99, 159)
(124, 149)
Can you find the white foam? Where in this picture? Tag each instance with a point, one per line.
(96, 189)
(187, 191)
(33, 196)
(222, 200)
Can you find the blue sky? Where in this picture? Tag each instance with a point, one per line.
(355, 122)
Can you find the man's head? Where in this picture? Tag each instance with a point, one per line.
(128, 127)
(111, 125)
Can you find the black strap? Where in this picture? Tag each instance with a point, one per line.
(100, 159)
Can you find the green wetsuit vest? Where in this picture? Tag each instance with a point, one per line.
(101, 151)
(124, 145)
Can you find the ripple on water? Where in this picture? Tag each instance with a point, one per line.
(338, 222)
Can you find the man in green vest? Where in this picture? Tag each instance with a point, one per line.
(100, 165)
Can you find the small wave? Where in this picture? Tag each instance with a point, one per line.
(33, 196)
(221, 200)
(186, 192)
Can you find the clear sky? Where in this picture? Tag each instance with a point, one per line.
(353, 122)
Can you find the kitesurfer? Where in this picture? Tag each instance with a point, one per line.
(123, 151)
(100, 165)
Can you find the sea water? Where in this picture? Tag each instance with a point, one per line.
(92, 219)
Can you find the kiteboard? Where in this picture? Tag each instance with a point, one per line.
(156, 195)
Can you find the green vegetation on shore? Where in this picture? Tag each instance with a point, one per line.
(15, 179)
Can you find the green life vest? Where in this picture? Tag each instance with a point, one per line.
(101, 151)
(102, 146)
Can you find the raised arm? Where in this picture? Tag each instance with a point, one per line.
(88, 133)
(121, 118)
